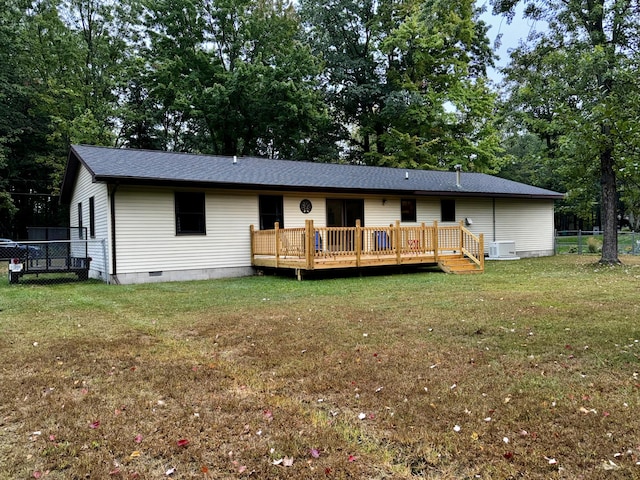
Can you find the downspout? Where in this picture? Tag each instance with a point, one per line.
(112, 211)
(494, 218)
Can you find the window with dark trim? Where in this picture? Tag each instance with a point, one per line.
(190, 218)
(447, 210)
(271, 211)
(92, 217)
(80, 229)
(408, 210)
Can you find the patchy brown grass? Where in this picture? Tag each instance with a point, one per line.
(528, 371)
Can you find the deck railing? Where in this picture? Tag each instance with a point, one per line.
(310, 243)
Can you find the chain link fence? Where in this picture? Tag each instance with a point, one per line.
(582, 242)
(49, 261)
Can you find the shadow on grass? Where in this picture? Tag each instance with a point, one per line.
(353, 272)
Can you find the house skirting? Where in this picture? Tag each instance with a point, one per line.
(182, 275)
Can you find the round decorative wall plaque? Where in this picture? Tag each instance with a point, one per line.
(305, 206)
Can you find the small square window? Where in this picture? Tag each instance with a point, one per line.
(408, 210)
(190, 218)
(447, 210)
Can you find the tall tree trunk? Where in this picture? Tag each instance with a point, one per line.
(608, 207)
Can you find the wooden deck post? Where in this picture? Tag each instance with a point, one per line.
(398, 242)
(253, 254)
(309, 247)
(481, 252)
(276, 229)
(358, 240)
(461, 237)
(423, 238)
(436, 234)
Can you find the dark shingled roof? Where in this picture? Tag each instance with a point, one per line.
(144, 167)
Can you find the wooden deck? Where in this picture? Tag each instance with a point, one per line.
(454, 248)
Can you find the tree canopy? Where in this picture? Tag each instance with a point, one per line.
(575, 86)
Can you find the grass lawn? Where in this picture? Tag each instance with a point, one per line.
(528, 371)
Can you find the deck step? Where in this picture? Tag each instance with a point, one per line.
(458, 266)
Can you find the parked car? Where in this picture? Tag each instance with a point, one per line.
(10, 249)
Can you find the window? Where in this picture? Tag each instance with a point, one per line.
(271, 211)
(92, 218)
(190, 213)
(447, 210)
(80, 232)
(408, 210)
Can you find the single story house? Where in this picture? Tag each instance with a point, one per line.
(171, 216)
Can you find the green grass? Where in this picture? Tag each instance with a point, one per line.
(542, 352)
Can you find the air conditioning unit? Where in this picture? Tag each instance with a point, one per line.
(503, 249)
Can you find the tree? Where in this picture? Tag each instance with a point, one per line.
(407, 80)
(233, 77)
(587, 57)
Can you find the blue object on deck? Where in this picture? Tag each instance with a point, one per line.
(318, 242)
(382, 241)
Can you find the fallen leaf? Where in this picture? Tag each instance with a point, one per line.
(610, 466)
(37, 474)
(315, 453)
(183, 442)
(457, 428)
(171, 471)
(508, 455)
(204, 469)
(352, 458)
(242, 469)
(138, 438)
(288, 461)
(135, 454)
(95, 424)
(278, 461)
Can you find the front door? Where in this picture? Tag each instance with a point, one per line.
(343, 213)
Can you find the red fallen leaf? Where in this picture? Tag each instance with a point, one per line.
(195, 369)
(183, 442)
(606, 414)
(375, 354)
(568, 347)
(138, 438)
(204, 469)
(508, 455)
(327, 471)
(267, 415)
(37, 474)
(115, 472)
(95, 424)
(52, 438)
(352, 458)
(315, 453)
(133, 369)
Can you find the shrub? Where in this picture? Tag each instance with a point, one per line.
(594, 245)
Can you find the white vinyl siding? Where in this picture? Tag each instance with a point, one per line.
(528, 222)
(147, 240)
(85, 189)
(294, 218)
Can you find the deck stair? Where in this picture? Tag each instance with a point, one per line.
(458, 265)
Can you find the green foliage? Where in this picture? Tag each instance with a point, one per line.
(576, 89)
(410, 77)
